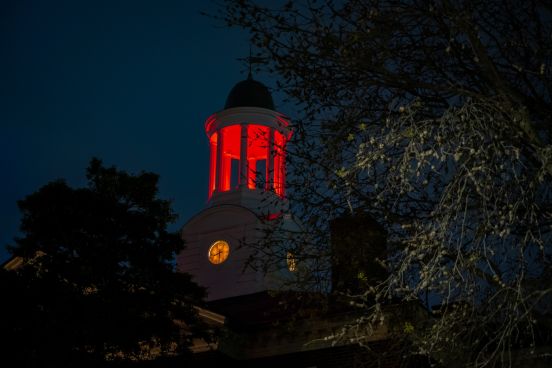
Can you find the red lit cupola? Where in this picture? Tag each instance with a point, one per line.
(247, 144)
(246, 187)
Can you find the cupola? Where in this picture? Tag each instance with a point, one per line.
(247, 146)
(246, 196)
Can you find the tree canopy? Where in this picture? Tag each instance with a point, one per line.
(432, 117)
(98, 280)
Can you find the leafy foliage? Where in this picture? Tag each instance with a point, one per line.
(98, 282)
(434, 118)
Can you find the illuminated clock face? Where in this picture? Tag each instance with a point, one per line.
(219, 251)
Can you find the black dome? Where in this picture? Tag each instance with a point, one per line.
(249, 93)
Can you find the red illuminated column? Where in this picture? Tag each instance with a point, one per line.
(270, 163)
(282, 169)
(279, 141)
(213, 164)
(243, 157)
(219, 177)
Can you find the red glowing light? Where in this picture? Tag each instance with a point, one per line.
(261, 165)
(213, 163)
(257, 150)
(230, 150)
(279, 162)
(273, 216)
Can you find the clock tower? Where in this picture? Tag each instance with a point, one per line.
(246, 191)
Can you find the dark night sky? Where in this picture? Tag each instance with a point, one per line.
(130, 82)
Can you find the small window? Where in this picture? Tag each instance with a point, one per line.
(291, 262)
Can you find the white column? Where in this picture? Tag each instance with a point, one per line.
(218, 173)
(270, 163)
(244, 166)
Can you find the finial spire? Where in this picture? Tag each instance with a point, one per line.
(250, 75)
(252, 60)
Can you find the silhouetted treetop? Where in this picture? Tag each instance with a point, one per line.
(98, 281)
